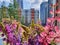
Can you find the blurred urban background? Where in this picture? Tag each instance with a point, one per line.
(28, 10)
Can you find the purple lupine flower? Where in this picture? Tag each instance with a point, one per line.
(10, 35)
(25, 43)
(17, 43)
(30, 42)
(19, 37)
(35, 40)
(8, 29)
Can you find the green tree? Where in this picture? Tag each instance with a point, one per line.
(3, 10)
(13, 9)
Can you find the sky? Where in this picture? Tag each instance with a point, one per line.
(27, 4)
(32, 4)
(5, 0)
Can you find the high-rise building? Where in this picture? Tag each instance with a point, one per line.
(44, 12)
(50, 7)
(27, 17)
(20, 3)
(34, 15)
(30, 15)
(26, 14)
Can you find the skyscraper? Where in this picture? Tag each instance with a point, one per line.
(26, 14)
(34, 15)
(50, 4)
(30, 15)
(44, 12)
(20, 2)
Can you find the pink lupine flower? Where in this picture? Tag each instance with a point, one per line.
(47, 28)
(20, 29)
(48, 20)
(40, 39)
(13, 26)
(43, 34)
(56, 28)
(52, 34)
(58, 33)
(14, 22)
(52, 18)
(45, 43)
(58, 19)
(57, 40)
(52, 28)
(58, 11)
(49, 39)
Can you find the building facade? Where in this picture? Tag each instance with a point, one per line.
(26, 16)
(51, 7)
(34, 15)
(44, 12)
(20, 3)
(30, 15)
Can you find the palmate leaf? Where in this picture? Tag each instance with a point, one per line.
(26, 33)
(25, 36)
(26, 29)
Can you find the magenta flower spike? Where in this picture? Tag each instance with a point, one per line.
(8, 29)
